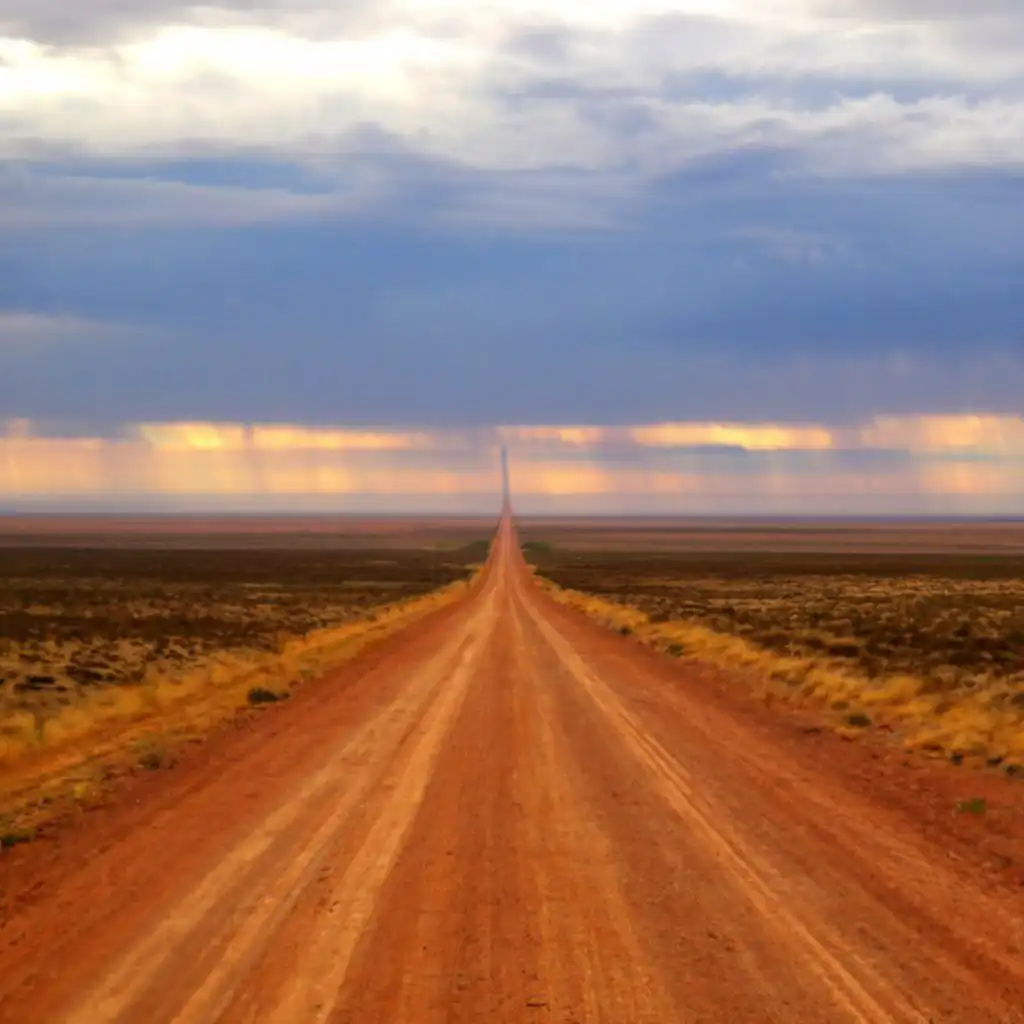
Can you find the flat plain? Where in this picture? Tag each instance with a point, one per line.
(113, 621)
(503, 811)
(917, 626)
(75, 618)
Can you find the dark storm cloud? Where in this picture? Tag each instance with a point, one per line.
(97, 21)
(55, 21)
(927, 10)
(372, 282)
(379, 178)
(978, 25)
(735, 289)
(811, 90)
(545, 43)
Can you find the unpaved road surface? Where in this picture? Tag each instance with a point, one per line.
(505, 814)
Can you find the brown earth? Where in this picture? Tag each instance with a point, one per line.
(507, 814)
(217, 532)
(76, 618)
(823, 535)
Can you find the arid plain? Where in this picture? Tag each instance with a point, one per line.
(655, 772)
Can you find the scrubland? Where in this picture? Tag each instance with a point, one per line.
(927, 647)
(111, 657)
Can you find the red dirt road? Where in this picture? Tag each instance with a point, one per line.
(505, 814)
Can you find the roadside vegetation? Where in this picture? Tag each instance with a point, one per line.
(111, 658)
(929, 647)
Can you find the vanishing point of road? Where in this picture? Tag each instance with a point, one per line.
(506, 814)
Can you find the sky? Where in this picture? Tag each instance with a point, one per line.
(702, 256)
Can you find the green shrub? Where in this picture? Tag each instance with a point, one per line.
(260, 695)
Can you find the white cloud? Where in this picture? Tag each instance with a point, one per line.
(503, 86)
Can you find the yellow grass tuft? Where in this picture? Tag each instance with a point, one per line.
(983, 720)
(47, 748)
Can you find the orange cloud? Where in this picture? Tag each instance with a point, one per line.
(751, 436)
(285, 438)
(972, 478)
(995, 434)
(570, 435)
(278, 437)
(194, 436)
(227, 462)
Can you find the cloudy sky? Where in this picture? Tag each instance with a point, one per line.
(705, 254)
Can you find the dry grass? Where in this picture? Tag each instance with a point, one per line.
(934, 657)
(72, 620)
(207, 687)
(72, 753)
(62, 739)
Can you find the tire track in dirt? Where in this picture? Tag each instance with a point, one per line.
(828, 842)
(871, 1000)
(455, 936)
(223, 924)
(311, 995)
(506, 903)
(598, 967)
(514, 820)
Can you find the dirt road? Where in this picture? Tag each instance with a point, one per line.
(505, 814)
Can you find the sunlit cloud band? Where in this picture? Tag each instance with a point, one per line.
(891, 464)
